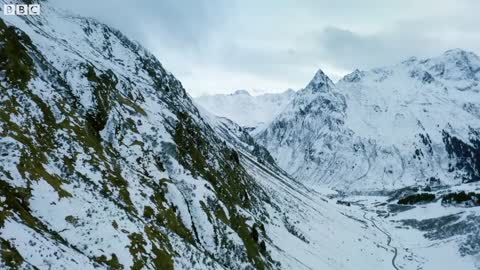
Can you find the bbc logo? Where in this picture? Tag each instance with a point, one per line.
(21, 10)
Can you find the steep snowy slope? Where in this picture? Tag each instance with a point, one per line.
(417, 122)
(105, 161)
(244, 109)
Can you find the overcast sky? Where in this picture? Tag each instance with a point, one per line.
(218, 46)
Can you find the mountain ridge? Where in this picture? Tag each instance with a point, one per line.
(79, 129)
(365, 107)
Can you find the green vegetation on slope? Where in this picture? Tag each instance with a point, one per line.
(417, 198)
(229, 179)
(14, 58)
(468, 199)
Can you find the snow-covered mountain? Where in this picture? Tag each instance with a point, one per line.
(106, 163)
(417, 122)
(245, 109)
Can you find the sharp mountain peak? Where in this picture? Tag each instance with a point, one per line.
(319, 81)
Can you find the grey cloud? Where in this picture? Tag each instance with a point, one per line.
(425, 37)
(218, 45)
(177, 23)
(350, 50)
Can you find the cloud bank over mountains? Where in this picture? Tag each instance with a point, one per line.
(218, 46)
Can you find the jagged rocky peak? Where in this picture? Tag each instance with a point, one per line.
(319, 94)
(459, 54)
(455, 69)
(455, 64)
(320, 81)
(355, 76)
(455, 56)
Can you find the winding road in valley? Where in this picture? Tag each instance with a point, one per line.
(389, 239)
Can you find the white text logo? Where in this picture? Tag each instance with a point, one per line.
(21, 10)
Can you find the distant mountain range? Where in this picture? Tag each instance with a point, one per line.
(417, 122)
(245, 109)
